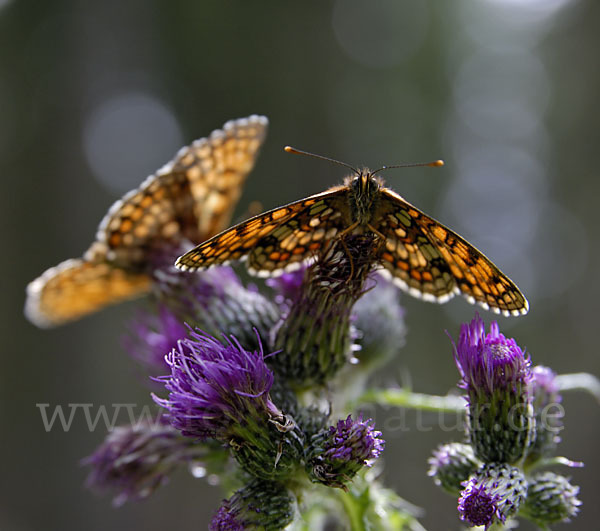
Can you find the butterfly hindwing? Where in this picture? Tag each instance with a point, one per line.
(77, 287)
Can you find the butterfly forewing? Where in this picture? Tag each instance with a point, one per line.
(276, 240)
(408, 257)
(190, 198)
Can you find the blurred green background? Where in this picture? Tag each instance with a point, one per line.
(94, 96)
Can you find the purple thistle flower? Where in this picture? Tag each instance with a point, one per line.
(478, 506)
(340, 451)
(492, 495)
(136, 460)
(489, 362)
(220, 390)
(496, 375)
(214, 386)
(355, 440)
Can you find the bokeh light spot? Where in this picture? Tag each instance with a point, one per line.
(129, 137)
(502, 94)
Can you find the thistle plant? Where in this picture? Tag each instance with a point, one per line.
(261, 386)
(248, 376)
(509, 436)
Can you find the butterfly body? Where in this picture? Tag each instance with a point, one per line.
(363, 197)
(422, 256)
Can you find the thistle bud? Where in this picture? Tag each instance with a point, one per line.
(451, 465)
(551, 499)
(259, 505)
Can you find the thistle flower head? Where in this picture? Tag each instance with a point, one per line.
(220, 390)
(355, 440)
(340, 451)
(136, 460)
(495, 375)
(489, 362)
(493, 494)
(314, 335)
(214, 386)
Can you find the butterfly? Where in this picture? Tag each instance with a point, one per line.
(418, 253)
(189, 199)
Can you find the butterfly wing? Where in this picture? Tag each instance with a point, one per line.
(277, 240)
(190, 198)
(76, 287)
(432, 262)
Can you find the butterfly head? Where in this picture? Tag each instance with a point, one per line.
(364, 184)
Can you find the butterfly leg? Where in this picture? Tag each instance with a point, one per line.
(382, 238)
(340, 236)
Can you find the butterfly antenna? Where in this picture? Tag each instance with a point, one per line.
(433, 164)
(295, 151)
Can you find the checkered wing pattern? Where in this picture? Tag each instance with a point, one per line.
(190, 198)
(277, 240)
(434, 263)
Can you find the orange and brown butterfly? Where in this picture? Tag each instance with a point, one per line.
(190, 199)
(422, 256)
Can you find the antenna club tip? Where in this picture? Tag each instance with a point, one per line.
(288, 149)
(438, 163)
